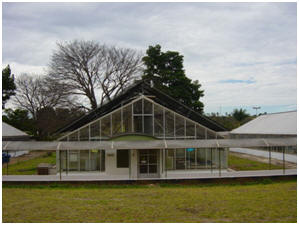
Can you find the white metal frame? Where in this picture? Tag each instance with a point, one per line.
(142, 97)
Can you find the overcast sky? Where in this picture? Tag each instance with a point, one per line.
(243, 54)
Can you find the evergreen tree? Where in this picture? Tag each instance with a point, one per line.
(19, 119)
(8, 85)
(240, 114)
(166, 70)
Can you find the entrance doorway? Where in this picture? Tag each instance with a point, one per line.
(148, 166)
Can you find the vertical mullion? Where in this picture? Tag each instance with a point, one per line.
(206, 158)
(195, 156)
(185, 159)
(100, 129)
(59, 164)
(133, 118)
(111, 125)
(153, 109)
(89, 160)
(78, 165)
(283, 159)
(174, 150)
(68, 155)
(185, 128)
(219, 161)
(211, 160)
(89, 132)
(174, 131)
(164, 122)
(121, 118)
(142, 114)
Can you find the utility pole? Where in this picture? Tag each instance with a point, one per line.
(256, 108)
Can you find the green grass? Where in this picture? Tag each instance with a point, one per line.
(237, 163)
(28, 167)
(271, 202)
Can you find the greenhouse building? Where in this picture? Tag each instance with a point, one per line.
(131, 126)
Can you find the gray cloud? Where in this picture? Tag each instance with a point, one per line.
(219, 41)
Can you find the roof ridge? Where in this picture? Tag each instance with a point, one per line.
(278, 112)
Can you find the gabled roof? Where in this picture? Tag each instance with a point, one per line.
(11, 133)
(142, 87)
(284, 123)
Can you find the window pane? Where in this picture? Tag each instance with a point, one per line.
(127, 119)
(84, 160)
(102, 163)
(215, 158)
(200, 132)
(84, 134)
(95, 163)
(190, 161)
(152, 168)
(190, 131)
(170, 159)
(138, 124)
(105, 127)
(153, 159)
(116, 122)
(179, 126)
(219, 136)
(122, 158)
(143, 169)
(74, 160)
(180, 159)
(201, 158)
(169, 124)
(148, 125)
(159, 132)
(73, 136)
(209, 155)
(211, 134)
(63, 160)
(148, 107)
(223, 155)
(95, 131)
(138, 107)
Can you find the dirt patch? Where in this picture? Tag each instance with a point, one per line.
(288, 165)
(25, 157)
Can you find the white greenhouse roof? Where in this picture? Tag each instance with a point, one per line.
(10, 131)
(284, 123)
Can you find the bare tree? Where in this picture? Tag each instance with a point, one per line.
(35, 93)
(86, 67)
(122, 66)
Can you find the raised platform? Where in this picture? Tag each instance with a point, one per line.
(92, 177)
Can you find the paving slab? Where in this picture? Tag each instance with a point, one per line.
(103, 177)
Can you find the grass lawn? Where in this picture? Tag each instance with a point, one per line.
(28, 167)
(272, 201)
(238, 163)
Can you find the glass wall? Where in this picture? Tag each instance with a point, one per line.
(95, 131)
(145, 117)
(196, 158)
(84, 160)
(158, 121)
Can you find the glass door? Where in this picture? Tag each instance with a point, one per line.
(148, 163)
